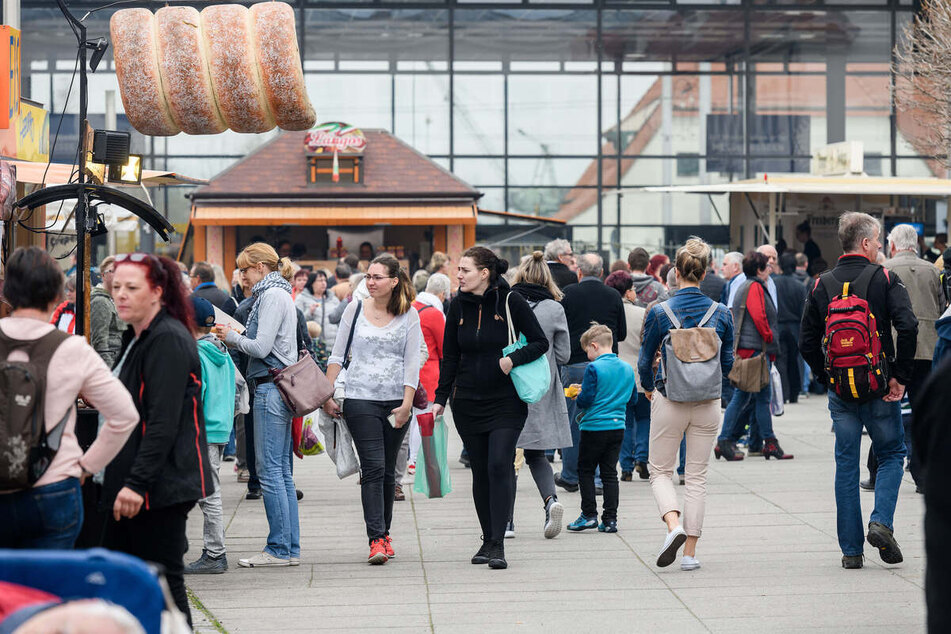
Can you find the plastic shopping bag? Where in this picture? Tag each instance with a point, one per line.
(309, 443)
(776, 407)
(339, 444)
(432, 461)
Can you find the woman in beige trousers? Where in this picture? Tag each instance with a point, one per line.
(699, 420)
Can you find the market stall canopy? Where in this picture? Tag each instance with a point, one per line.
(397, 186)
(60, 174)
(824, 185)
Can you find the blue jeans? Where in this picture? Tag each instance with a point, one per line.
(569, 455)
(272, 448)
(883, 422)
(637, 433)
(232, 446)
(761, 415)
(46, 517)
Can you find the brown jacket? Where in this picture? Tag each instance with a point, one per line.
(922, 281)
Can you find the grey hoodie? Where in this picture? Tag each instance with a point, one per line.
(648, 290)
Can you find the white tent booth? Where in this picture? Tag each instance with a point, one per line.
(768, 208)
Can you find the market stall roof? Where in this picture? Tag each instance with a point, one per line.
(61, 173)
(824, 185)
(390, 213)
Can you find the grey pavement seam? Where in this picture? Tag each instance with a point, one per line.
(422, 561)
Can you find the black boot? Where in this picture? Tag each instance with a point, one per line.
(482, 557)
(727, 450)
(771, 449)
(497, 555)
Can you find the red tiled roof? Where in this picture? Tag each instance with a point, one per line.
(776, 94)
(278, 170)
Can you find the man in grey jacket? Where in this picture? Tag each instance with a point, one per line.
(923, 284)
(105, 328)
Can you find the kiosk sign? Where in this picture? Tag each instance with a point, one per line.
(336, 138)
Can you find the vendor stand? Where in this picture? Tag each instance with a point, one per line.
(329, 190)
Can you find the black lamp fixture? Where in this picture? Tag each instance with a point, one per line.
(98, 48)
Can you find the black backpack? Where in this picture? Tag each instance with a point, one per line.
(26, 448)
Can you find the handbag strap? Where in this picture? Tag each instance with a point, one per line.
(353, 328)
(508, 319)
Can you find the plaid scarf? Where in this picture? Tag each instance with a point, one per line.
(271, 280)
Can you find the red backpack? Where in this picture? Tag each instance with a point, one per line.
(854, 361)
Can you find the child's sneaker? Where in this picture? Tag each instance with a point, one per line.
(583, 523)
(608, 526)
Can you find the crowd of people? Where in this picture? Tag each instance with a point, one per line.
(653, 365)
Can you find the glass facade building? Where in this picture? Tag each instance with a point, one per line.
(562, 108)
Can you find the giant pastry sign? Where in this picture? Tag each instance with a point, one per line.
(201, 73)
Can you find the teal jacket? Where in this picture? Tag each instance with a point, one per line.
(217, 390)
(605, 391)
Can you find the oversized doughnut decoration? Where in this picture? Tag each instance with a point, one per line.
(202, 73)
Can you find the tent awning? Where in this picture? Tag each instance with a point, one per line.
(60, 174)
(357, 214)
(829, 185)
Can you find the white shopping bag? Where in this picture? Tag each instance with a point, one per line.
(338, 444)
(776, 407)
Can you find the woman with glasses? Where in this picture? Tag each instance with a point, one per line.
(379, 345)
(163, 469)
(270, 342)
(318, 303)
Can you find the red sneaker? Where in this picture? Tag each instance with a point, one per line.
(378, 554)
(389, 547)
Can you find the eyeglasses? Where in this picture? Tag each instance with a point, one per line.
(133, 257)
(379, 278)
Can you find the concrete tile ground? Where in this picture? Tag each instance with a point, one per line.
(769, 553)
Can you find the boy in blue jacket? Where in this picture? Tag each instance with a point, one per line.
(218, 403)
(606, 389)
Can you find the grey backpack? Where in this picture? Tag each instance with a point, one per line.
(26, 448)
(692, 371)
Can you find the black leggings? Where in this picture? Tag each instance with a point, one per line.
(537, 462)
(492, 459)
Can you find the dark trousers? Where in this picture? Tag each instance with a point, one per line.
(537, 462)
(599, 449)
(378, 444)
(158, 536)
(918, 378)
(254, 484)
(788, 361)
(492, 460)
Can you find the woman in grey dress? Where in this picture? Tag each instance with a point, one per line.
(547, 424)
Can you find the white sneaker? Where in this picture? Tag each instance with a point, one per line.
(294, 561)
(263, 560)
(689, 563)
(675, 539)
(554, 513)
(510, 530)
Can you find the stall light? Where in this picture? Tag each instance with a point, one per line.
(129, 173)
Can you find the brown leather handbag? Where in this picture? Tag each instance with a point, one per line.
(748, 375)
(302, 385)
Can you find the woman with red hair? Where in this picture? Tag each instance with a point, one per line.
(162, 471)
(656, 263)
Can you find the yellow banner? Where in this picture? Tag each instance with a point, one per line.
(33, 133)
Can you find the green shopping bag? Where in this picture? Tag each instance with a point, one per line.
(432, 461)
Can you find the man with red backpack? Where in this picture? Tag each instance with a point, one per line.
(846, 338)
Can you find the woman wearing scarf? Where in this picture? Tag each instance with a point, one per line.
(270, 342)
(547, 424)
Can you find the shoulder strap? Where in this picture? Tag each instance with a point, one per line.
(833, 287)
(423, 308)
(864, 280)
(742, 294)
(508, 319)
(711, 311)
(353, 328)
(670, 315)
(39, 350)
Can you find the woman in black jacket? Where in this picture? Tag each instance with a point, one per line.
(487, 410)
(162, 470)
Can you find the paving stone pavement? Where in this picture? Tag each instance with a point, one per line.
(769, 552)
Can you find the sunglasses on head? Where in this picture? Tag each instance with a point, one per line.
(133, 257)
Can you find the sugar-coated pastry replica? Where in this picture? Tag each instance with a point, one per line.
(140, 83)
(226, 29)
(185, 71)
(275, 43)
(202, 73)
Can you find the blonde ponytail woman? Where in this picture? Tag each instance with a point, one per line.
(382, 376)
(271, 343)
(671, 420)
